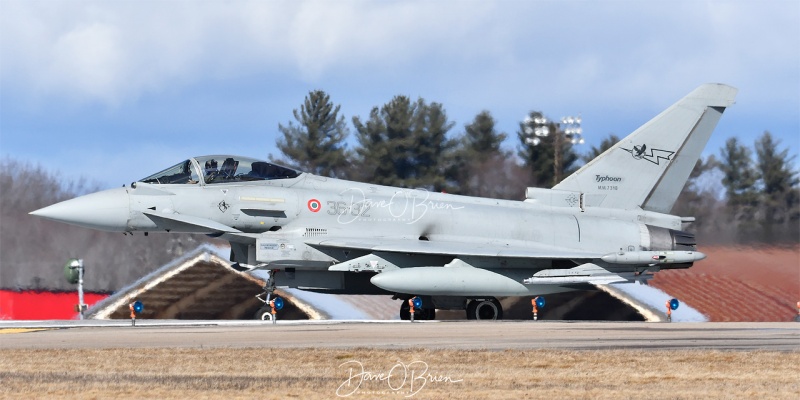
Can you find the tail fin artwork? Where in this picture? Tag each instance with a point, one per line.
(649, 168)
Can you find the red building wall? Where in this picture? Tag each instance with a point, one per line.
(40, 305)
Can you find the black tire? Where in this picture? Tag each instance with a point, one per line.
(405, 313)
(499, 308)
(428, 314)
(259, 315)
(489, 309)
(471, 309)
(485, 310)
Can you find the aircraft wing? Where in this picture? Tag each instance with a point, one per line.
(452, 248)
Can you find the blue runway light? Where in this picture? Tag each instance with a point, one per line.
(540, 302)
(138, 307)
(673, 304)
(278, 302)
(417, 302)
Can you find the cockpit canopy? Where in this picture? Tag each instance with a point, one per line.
(220, 169)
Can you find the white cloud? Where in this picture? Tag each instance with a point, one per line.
(113, 51)
(88, 59)
(625, 59)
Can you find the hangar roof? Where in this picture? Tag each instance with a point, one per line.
(199, 285)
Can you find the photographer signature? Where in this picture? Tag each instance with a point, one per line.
(401, 377)
(408, 205)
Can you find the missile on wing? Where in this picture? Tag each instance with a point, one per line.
(573, 280)
(653, 257)
(586, 273)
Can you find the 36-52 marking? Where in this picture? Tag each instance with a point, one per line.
(357, 209)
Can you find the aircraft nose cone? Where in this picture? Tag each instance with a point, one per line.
(108, 210)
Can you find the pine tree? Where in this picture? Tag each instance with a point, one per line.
(478, 161)
(316, 144)
(384, 142)
(481, 140)
(430, 153)
(779, 200)
(698, 200)
(606, 144)
(404, 144)
(739, 179)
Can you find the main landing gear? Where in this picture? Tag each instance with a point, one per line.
(487, 308)
(423, 313)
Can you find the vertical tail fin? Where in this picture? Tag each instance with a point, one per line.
(649, 167)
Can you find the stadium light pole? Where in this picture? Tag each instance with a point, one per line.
(569, 128)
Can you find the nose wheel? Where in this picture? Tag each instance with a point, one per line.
(265, 312)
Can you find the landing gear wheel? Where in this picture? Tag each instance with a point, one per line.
(405, 313)
(489, 309)
(423, 314)
(264, 314)
(427, 314)
(471, 309)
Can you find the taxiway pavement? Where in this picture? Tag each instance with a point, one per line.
(498, 335)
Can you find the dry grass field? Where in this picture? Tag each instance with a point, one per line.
(416, 373)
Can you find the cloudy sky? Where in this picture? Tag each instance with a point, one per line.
(113, 91)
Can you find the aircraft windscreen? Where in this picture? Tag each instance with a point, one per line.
(182, 172)
(227, 169)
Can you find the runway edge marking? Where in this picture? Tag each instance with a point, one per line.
(4, 331)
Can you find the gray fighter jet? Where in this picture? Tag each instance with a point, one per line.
(608, 222)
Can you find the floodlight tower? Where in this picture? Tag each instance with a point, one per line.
(538, 131)
(569, 128)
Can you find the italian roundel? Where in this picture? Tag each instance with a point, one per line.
(314, 205)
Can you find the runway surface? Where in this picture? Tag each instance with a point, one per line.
(499, 335)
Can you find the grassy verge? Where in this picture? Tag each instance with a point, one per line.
(419, 373)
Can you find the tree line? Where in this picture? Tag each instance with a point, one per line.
(33, 250)
(413, 143)
(761, 203)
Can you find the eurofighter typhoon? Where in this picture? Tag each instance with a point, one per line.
(608, 222)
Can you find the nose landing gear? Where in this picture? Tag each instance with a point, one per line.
(267, 312)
